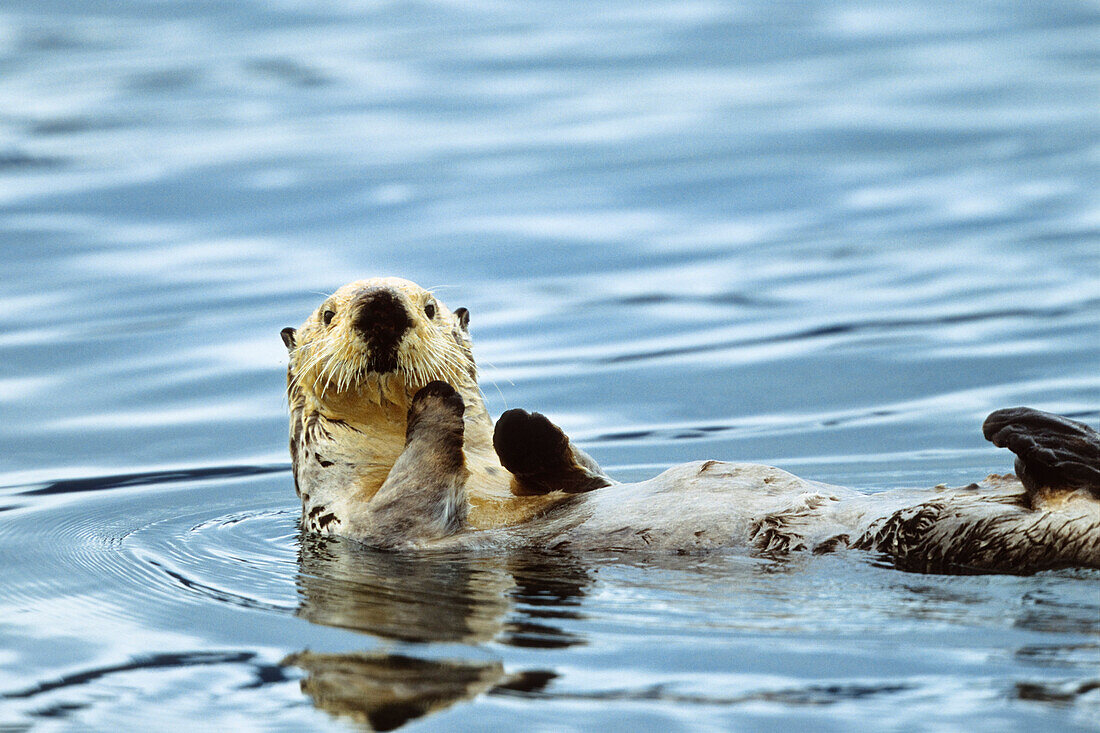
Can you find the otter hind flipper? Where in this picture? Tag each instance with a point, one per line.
(1052, 451)
(424, 496)
(541, 458)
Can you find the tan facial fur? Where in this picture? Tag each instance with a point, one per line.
(349, 403)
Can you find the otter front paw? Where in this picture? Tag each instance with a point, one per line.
(540, 457)
(528, 444)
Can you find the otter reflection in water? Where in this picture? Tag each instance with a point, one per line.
(392, 446)
(386, 691)
(442, 599)
(536, 600)
(438, 598)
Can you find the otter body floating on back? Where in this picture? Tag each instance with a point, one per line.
(392, 446)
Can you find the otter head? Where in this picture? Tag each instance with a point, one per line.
(377, 339)
(354, 367)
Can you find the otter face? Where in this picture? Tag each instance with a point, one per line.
(379, 330)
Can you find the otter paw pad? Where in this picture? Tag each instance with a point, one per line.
(529, 444)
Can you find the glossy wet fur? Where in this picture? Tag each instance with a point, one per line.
(355, 365)
(708, 505)
(447, 480)
(348, 419)
(424, 496)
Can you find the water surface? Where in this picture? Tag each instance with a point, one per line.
(827, 236)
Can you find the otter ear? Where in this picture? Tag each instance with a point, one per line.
(463, 317)
(288, 337)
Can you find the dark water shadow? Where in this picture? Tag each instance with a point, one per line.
(1056, 693)
(850, 328)
(147, 478)
(263, 673)
(219, 595)
(810, 695)
(153, 661)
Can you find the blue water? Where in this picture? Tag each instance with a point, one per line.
(827, 236)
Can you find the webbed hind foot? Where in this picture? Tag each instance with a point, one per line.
(1052, 451)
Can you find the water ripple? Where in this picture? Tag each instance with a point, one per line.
(145, 541)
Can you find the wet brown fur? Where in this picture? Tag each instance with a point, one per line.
(406, 459)
(348, 423)
(1002, 528)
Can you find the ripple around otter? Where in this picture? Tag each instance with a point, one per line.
(124, 539)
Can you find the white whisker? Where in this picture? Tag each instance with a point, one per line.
(497, 386)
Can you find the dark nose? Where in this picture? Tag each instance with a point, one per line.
(382, 319)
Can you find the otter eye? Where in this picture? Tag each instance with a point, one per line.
(327, 317)
(429, 310)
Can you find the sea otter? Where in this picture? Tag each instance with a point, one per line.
(392, 446)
